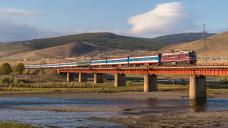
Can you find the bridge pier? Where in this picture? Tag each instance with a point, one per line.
(69, 77)
(98, 78)
(197, 87)
(82, 77)
(150, 83)
(120, 80)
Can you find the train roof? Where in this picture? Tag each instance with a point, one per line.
(176, 53)
(126, 56)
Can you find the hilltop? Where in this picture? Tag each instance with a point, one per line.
(214, 46)
(89, 43)
(111, 40)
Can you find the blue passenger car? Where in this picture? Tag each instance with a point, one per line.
(98, 62)
(118, 61)
(128, 60)
(145, 59)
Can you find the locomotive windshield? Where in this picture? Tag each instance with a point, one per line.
(192, 54)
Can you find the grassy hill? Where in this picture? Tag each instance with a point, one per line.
(89, 43)
(108, 40)
(12, 48)
(61, 51)
(180, 38)
(215, 46)
(111, 40)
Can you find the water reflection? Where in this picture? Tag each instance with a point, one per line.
(151, 102)
(199, 105)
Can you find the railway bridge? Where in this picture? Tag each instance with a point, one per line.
(197, 75)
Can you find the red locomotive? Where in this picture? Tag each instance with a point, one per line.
(179, 58)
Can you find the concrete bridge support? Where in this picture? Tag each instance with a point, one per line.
(69, 77)
(197, 87)
(150, 83)
(82, 77)
(98, 78)
(120, 80)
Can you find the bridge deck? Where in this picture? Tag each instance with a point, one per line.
(191, 70)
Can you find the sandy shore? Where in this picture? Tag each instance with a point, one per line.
(174, 120)
(109, 95)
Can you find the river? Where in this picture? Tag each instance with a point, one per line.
(56, 112)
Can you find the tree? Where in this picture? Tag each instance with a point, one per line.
(20, 68)
(5, 69)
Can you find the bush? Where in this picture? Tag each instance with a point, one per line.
(5, 69)
(129, 83)
(6, 81)
(224, 80)
(35, 71)
(9, 81)
(20, 68)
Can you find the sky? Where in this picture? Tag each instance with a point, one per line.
(32, 19)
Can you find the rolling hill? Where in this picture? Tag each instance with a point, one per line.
(59, 52)
(215, 46)
(89, 43)
(111, 40)
(181, 38)
(7, 49)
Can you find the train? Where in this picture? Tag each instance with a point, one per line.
(180, 58)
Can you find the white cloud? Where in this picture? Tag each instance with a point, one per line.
(14, 29)
(166, 18)
(17, 12)
(11, 31)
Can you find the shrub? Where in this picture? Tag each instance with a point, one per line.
(6, 80)
(20, 68)
(35, 71)
(5, 69)
(129, 83)
(224, 80)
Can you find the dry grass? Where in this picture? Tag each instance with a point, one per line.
(6, 124)
(9, 49)
(212, 46)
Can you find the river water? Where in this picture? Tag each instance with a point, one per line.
(47, 118)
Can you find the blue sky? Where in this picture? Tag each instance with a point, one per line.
(29, 19)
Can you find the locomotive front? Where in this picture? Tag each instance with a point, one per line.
(179, 58)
